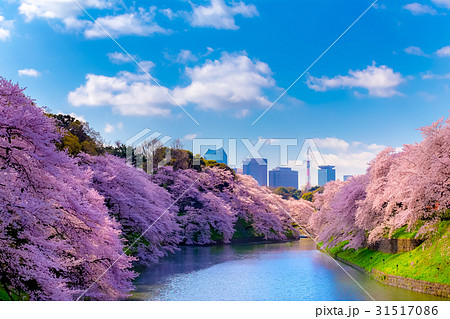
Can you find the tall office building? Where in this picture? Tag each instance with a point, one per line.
(346, 177)
(257, 168)
(326, 173)
(218, 155)
(283, 176)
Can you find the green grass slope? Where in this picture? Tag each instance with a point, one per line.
(429, 262)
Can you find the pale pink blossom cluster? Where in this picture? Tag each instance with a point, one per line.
(136, 203)
(336, 207)
(400, 188)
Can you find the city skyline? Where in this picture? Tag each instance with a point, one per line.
(285, 176)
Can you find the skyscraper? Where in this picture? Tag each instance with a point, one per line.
(218, 155)
(257, 168)
(346, 177)
(326, 173)
(283, 176)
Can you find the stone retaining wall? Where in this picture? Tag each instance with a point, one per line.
(421, 286)
(395, 245)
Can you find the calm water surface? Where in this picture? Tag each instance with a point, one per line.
(276, 271)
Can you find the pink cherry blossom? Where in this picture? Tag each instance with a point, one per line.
(56, 237)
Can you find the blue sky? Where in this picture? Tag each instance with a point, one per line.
(226, 61)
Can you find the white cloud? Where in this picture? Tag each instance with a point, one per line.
(138, 23)
(48, 8)
(190, 136)
(75, 24)
(415, 51)
(59, 9)
(126, 93)
(376, 147)
(146, 65)
(443, 3)
(29, 72)
(119, 58)
(332, 143)
(5, 28)
(353, 163)
(443, 52)
(4, 34)
(350, 163)
(380, 81)
(432, 76)
(378, 6)
(109, 128)
(419, 9)
(169, 13)
(186, 56)
(220, 16)
(232, 82)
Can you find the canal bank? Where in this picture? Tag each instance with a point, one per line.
(425, 287)
(425, 268)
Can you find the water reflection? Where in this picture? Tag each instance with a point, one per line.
(276, 271)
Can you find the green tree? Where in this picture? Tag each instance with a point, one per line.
(308, 196)
(77, 136)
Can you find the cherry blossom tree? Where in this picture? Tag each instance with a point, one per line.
(335, 220)
(422, 177)
(218, 199)
(410, 185)
(257, 207)
(319, 221)
(201, 214)
(140, 206)
(269, 214)
(401, 188)
(370, 214)
(301, 211)
(56, 238)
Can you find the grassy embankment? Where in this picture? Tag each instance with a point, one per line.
(429, 262)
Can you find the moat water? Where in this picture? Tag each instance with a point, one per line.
(268, 271)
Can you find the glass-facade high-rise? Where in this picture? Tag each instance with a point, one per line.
(326, 173)
(283, 176)
(219, 155)
(257, 168)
